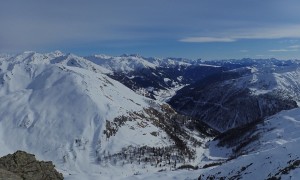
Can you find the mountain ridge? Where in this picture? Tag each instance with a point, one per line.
(66, 109)
(94, 120)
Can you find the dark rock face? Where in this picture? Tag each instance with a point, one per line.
(6, 175)
(22, 165)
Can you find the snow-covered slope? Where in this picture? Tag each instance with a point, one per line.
(269, 150)
(65, 108)
(45, 107)
(265, 150)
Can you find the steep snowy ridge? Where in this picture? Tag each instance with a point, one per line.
(59, 101)
(65, 108)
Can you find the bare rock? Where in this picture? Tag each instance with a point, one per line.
(6, 175)
(26, 167)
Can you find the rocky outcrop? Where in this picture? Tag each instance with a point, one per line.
(22, 165)
(6, 175)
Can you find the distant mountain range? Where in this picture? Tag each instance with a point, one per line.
(126, 116)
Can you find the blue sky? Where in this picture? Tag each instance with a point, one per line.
(207, 29)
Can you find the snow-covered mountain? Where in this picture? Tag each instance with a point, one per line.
(133, 62)
(154, 77)
(124, 63)
(239, 96)
(49, 103)
(92, 116)
(65, 108)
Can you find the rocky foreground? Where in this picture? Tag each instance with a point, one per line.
(24, 166)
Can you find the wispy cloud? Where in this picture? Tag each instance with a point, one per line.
(294, 47)
(282, 50)
(207, 39)
(288, 49)
(275, 32)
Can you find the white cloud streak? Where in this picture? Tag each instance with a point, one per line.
(288, 49)
(294, 47)
(287, 31)
(206, 39)
(283, 50)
